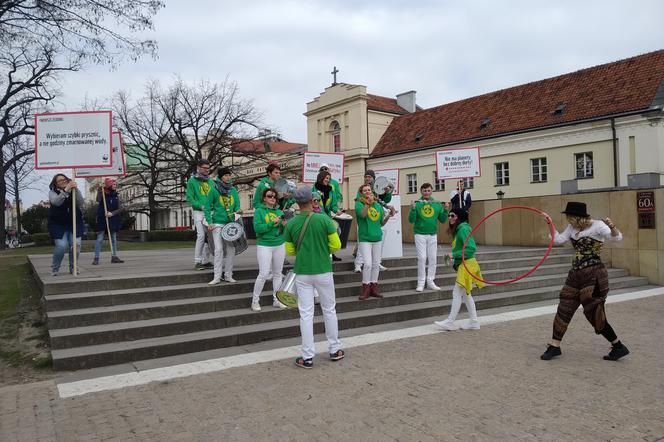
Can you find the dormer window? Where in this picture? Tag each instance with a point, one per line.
(559, 110)
(485, 123)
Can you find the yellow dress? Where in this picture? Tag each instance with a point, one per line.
(463, 276)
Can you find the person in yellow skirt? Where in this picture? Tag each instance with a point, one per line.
(460, 229)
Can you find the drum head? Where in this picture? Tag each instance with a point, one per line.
(232, 231)
(287, 299)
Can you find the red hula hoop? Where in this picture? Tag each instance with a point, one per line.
(546, 255)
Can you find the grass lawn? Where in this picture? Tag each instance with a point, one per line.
(24, 350)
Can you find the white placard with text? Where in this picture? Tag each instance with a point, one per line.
(458, 163)
(313, 160)
(67, 140)
(118, 168)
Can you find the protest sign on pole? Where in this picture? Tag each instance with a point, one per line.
(313, 160)
(458, 163)
(392, 175)
(118, 168)
(67, 140)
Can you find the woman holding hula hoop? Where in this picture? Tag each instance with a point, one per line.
(460, 229)
(587, 282)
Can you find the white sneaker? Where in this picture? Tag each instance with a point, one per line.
(229, 279)
(447, 325)
(432, 285)
(382, 268)
(420, 288)
(215, 281)
(471, 325)
(277, 304)
(255, 307)
(358, 269)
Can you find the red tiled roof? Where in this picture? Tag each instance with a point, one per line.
(384, 104)
(258, 146)
(609, 89)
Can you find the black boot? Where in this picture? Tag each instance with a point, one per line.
(335, 258)
(618, 350)
(551, 352)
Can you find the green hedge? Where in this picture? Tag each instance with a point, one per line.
(171, 235)
(42, 239)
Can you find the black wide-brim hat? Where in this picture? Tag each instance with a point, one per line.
(576, 209)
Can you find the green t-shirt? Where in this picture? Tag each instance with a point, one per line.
(197, 192)
(269, 231)
(425, 215)
(457, 244)
(369, 227)
(313, 256)
(337, 191)
(221, 209)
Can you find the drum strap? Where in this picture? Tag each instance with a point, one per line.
(304, 228)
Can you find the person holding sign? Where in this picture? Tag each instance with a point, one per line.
(223, 202)
(370, 220)
(460, 198)
(425, 214)
(61, 220)
(459, 229)
(108, 218)
(270, 252)
(369, 178)
(311, 237)
(198, 187)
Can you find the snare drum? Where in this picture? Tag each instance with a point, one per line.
(233, 234)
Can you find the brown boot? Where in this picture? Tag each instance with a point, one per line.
(365, 292)
(374, 291)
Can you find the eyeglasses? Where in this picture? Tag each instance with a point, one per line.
(453, 216)
(270, 196)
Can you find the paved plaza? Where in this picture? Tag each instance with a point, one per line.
(477, 385)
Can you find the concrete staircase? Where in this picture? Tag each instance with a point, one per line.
(95, 324)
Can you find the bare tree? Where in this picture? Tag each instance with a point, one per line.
(209, 120)
(148, 142)
(21, 174)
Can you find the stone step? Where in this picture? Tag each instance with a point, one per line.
(185, 290)
(55, 286)
(188, 323)
(151, 348)
(185, 306)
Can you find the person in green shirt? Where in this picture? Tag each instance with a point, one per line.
(460, 229)
(313, 269)
(370, 220)
(270, 252)
(425, 213)
(273, 174)
(335, 185)
(369, 178)
(223, 202)
(329, 197)
(198, 187)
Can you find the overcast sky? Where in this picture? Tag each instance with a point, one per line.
(281, 53)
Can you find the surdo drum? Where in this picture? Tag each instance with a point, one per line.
(233, 234)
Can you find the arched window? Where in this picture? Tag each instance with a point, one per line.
(335, 131)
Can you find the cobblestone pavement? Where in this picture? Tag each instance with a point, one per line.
(467, 385)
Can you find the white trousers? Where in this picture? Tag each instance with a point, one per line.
(359, 260)
(201, 231)
(371, 254)
(426, 246)
(270, 260)
(324, 284)
(459, 294)
(223, 255)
